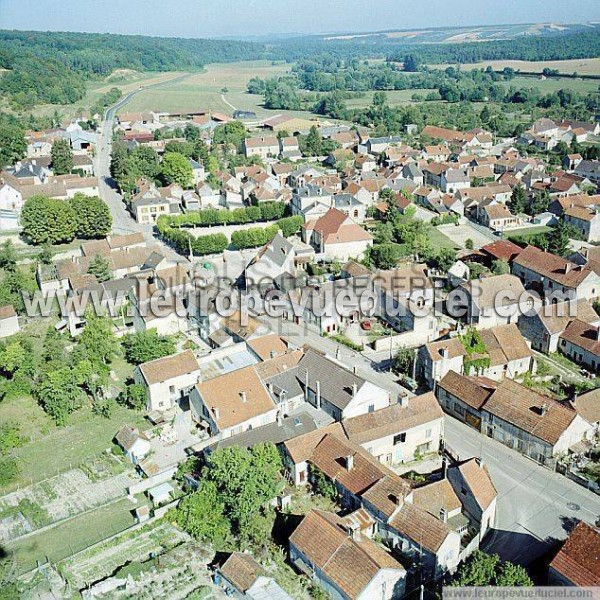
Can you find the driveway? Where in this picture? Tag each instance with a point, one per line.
(536, 506)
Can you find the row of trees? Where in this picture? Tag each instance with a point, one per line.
(51, 221)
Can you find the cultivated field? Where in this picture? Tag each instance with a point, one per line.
(582, 66)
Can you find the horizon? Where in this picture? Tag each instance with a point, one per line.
(257, 18)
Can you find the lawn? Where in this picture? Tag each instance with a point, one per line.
(394, 98)
(527, 234)
(67, 538)
(439, 240)
(546, 86)
(583, 66)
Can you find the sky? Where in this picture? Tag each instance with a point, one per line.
(216, 18)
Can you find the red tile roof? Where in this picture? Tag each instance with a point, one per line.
(579, 559)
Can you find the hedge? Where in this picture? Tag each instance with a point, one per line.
(267, 211)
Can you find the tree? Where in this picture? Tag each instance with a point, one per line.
(61, 157)
(12, 141)
(518, 200)
(98, 339)
(482, 569)
(500, 267)
(176, 168)
(385, 256)
(403, 361)
(147, 345)
(559, 239)
(100, 268)
(8, 256)
(444, 259)
(92, 216)
(469, 244)
(313, 143)
(134, 396)
(411, 63)
(48, 221)
(202, 515)
(59, 394)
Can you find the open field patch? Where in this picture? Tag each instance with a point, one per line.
(583, 66)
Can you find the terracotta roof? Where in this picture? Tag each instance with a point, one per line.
(127, 436)
(387, 495)
(583, 335)
(235, 397)
(330, 222)
(467, 389)
(498, 211)
(588, 406)
(300, 448)
(435, 496)
(556, 317)
(279, 364)
(8, 311)
(241, 570)
(502, 250)
(330, 457)
(582, 213)
(268, 346)
(579, 559)
(478, 479)
(553, 267)
(261, 142)
(420, 526)
(392, 420)
(349, 564)
(163, 369)
(538, 415)
(485, 291)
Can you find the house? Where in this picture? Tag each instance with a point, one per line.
(160, 494)
(335, 236)
(534, 425)
(453, 180)
(232, 403)
(263, 147)
(474, 487)
(310, 201)
(578, 561)
(342, 394)
(496, 216)
(571, 161)
(243, 577)
(135, 445)
(580, 342)
(544, 327)
(589, 169)
(586, 220)
(147, 203)
(588, 407)
(168, 380)
(9, 321)
(344, 560)
(491, 301)
(500, 250)
(554, 276)
(408, 429)
(273, 261)
(503, 353)
(11, 205)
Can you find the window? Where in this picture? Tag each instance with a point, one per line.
(428, 433)
(172, 389)
(371, 408)
(399, 439)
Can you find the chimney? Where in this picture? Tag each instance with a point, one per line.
(396, 499)
(216, 413)
(243, 396)
(443, 515)
(598, 334)
(544, 408)
(279, 419)
(272, 354)
(479, 461)
(444, 352)
(306, 384)
(354, 369)
(403, 400)
(444, 467)
(318, 394)
(350, 462)
(353, 530)
(270, 387)
(354, 389)
(567, 268)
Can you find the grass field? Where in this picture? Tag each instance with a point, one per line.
(67, 538)
(546, 86)
(394, 98)
(205, 90)
(584, 66)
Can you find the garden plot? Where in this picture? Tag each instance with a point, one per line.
(131, 546)
(58, 498)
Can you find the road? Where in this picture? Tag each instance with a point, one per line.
(534, 503)
(122, 220)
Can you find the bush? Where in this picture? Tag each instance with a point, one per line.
(254, 237)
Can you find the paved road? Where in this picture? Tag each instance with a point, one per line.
(122, 220)
(534, 503)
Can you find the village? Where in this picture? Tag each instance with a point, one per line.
(384, 446)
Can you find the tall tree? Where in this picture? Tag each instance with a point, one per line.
(92, 216)
(176, 168)
(48, 220)
(99, 267)
(61, 157)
